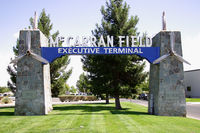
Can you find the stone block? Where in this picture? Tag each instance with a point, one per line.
(167, 93)
(33, 94)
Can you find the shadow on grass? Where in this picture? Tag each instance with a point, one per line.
(86, 110)
(6, 113)
(111, 113)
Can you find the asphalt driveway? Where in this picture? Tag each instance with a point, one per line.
(193, 108)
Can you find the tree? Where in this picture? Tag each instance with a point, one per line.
(100, 87)
(57, 69)
(4, 89)
(83, 84)
(97, 84)
(67, 88)
(145, 85)
(58, 72)
(73, 89)
(12, 70)
(119, 74)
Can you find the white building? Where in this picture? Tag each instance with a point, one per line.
(192, 83)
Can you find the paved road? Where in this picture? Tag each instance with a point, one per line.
(193, 108)
(141, 102)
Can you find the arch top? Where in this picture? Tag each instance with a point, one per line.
(52, 53)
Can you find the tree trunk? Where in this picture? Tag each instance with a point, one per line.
(117, 102)
(107, 98)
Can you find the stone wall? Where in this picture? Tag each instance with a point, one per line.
(167, 94)
(33, 95)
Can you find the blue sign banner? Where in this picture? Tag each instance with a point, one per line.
(149, 53)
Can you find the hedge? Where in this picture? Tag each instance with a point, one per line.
(69, 98)
(6, 100)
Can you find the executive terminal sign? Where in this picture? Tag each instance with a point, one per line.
(90, 45)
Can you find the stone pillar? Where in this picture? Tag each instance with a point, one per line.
(167, 93)
(33, 95)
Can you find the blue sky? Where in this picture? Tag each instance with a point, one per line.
(78, 17)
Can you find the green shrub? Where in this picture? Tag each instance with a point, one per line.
(135, 96)
(66, 98)
(62, 98)
(77, 98)
(4, 89)
(71, 98)
(82, 98)
(85, 98)
(91, 98)
(6, 100)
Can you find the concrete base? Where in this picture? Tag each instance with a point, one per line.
(33, 95)
(167, 90)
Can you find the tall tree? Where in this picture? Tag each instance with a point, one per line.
(119, 74)
(4, 89)
(73, 89)
(12, 70)
(100, 86)
(98, 78)
(58, 72)
(83, 84)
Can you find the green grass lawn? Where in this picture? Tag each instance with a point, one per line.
(192, 99)
(96, 118)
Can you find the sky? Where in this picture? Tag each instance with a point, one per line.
(78, 17)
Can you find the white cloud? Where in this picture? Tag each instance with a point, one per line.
(5, 55)
(191, 47)
(5, 60)
(76, 64)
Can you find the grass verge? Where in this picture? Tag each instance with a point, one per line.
(96, 118)
(192, 99)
